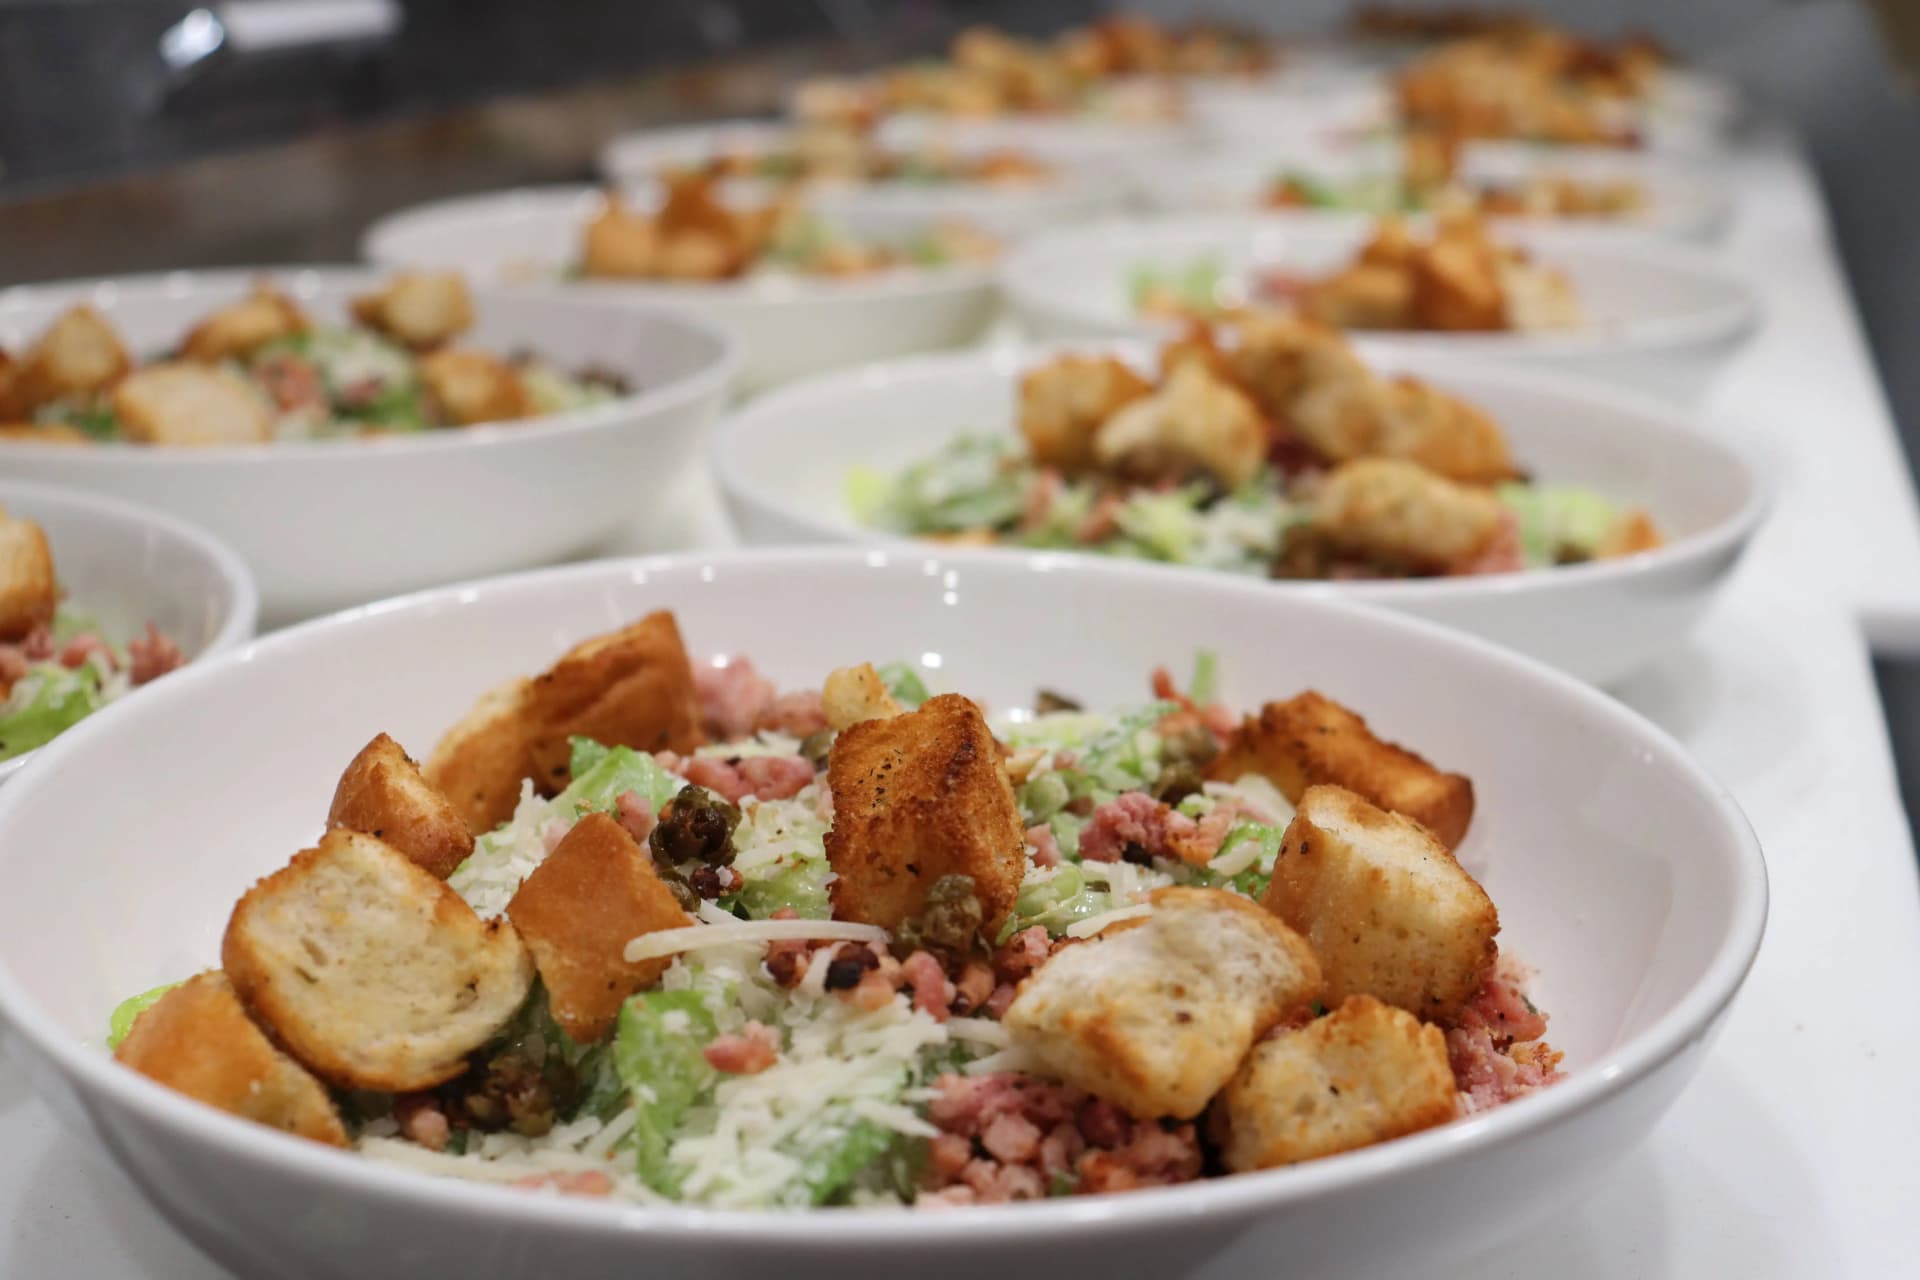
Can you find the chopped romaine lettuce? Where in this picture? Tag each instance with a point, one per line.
(831, 1150)
(601, 775)
(120, 1022)
(1558, 524)
(904, 683)
(47, 702)
(968, 485)
(658, 1052)
(800, 884)
(1055, 900)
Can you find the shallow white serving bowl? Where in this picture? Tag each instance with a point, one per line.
(1657, 318)
(1071, 194)
(336, 522)
(1626, 876)
(782, 465)
(128, 565)
(1092, 143)
(522, 241)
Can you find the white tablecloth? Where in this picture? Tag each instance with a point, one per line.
(1788, 1156)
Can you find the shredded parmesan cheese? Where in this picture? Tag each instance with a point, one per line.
(1094, 924)
(668, 942)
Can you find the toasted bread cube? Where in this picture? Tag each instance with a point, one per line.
(1364, 1073)
(1278, 359)
(480, 763)
(630, 688)
(1388, 911)
(853, 694)
(197, 1039)
(190, 404)
(1311, 739)
(1065, 402)
(917, 797)
(382, 795)
(621, 244)
(370, 971)
(241, 328)
(79, 356)
(1197, 345)
(418, 309)
(1443, 434)
(1365, 295)
(1631, 531)
(29, 592)
(1391, 245)
(56, 433)
(1196, 421)
(465, 387)
(596, 892)
(1398, 512)
(1156, 1018)
(1456, 281)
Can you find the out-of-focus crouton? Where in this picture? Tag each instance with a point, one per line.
(1365, 295)
(480, 763)
(1362, 1074)
(917, 797)
(464, 387)
(198, 1039)
(621, 244)
(190, 404)
(242, 327)
(382, 795)
(1065, 402)
(369, 970)
(700, 238)
(1457, 285)
(78, 356)
(1397, 512)
(1388, 911)
(418, 309)
(853, 694)
(1197, 345)
(59, 433)
(29, 592)
(1630, 531)
(1311, 739)
(1156, 1018)
(596, 892)
(1197, 421)
(630, 688)
(1442, 433)
(1391, 245)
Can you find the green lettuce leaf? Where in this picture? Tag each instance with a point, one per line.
(601, 775)
(904, 683)
(57, 700)
(657, 1053)
(120, 1022)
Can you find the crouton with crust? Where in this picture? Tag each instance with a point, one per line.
(78, 356)
(1392, 511)
(383, 795)
(464, 387)
(1442, 433)
(418, 309)
(1631, 531)
(480, 763)
(370, 971)
(1310, 739)
(1278, 358)
(29, 591)
(853, 694)
(596, 892)
(1386, 908)
(1197, 421)
(240, 328)
(621, 244)
(917, 797)
(1362, 1074)
(1366, 295)
(630, 688)
(55, 433)
(1156, 1018)
(198, 1040)
(1456, 282)
(1065, 402)
(182, 403)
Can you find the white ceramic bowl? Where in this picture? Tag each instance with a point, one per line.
(1657, 318)
(336, 522)
(1071, 194)
(782, 464)
(1092, 143)
(1622, 872)
(523, 240)
(128, 565)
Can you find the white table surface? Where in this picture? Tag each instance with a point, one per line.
(1787, 1158)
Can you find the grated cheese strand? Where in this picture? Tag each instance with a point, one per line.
(668, 942)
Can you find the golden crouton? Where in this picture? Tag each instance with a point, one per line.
(700, 238)
(58, 433)
(1442, 433)
(621, 244)
(1064, 403)
(190, 404)
(1362, 1074)
(1366, 295)
(1197, 345)
(853, 694)
(1277, 359)
(1196, 421)
(917, 797)
(1388, 911)
(383, 795)
(596, 892)
(1399, 513)
(29, 592)
(418, 309)
(480, 763)
(369, 970)
(1391, 245)
(1630, 531)
(630, 688)
(77, 357)
(198, 1039)
(464, 387)
(240, 328)
(1156, 1018)
(1456, 285)
(1311, 739)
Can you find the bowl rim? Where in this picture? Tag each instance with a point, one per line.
(730, 441)
(338, 1172)
(711, 380)
(1720, 323)
(242, 617)
(518, 203)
